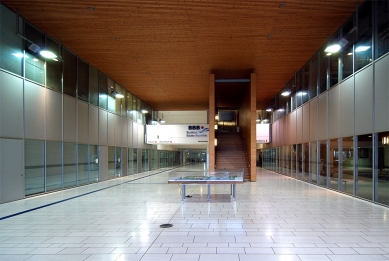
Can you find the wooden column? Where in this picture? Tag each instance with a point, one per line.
(253, 143)
(211, 121)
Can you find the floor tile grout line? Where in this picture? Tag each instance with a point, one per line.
(88, 193)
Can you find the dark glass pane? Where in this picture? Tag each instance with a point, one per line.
(93, 85)
(118, 162)
(34, 158)
(383, 168)
(382, 27)
(83, 166)
(346, 52)
(93, 163)
(34, 63)
(322, 71)
(322, 164)
(347, 165)
(69, 72)
(69, 165)
(305, 84)
(53, 66)
(11, 53)
(83, 80)
(335, 156)
(103, 91)
(363, 47)
(111, 162)
(313, 77)
(365, 166)
(111, 97)
(53, 165)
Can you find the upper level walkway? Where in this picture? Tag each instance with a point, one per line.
(275, 218)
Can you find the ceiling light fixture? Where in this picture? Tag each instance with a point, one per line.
(301, 93)
(115, 93)
(269, 110)
(332, 48)
(285, 93)
(362, 48)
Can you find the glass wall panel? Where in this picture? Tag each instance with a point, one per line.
(111, 98)
(69, 72)
(306, 84)
(83, 80)
(83, 164)
(293, 160)
(287, 158)
(111, 162)
(313, 150)
(11, 53)
(53, 66)
(118, 101)
(322, 163)
(383, 168)
(154, 159)
(93, 163)
(347, 165)
(34, 63)
(333, 63)
(323, 62)
(34, 158)
(93, 85)
(129, 106)
(299, 162)
(365, 166)
(346, 53)
(305, 161)
(118, 162)
(132, 161)
(53, 165)
(163, 159)
(313, 77)
(103, 91)
(145, 160)
(69, 165)
(335, 156)
(382, 36)
(363, 46)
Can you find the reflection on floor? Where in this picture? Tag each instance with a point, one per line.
(275, 218)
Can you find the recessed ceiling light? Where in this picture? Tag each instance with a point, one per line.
(91, 8)
(117, 38)
(269, 36)
(282, 5)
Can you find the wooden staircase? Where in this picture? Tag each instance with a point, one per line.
(230, 153)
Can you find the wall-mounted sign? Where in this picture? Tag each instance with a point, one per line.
(177, 134)
(263, 133)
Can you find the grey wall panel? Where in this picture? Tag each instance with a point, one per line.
(53, 115)
(103, 127)
(83, 122)
(11, 170)
(93, 125)
(111, 129)
(299, 125)
(129, 134)
(364, 101)
(306, 122)
(134, 135)
(118, 131)
(124, 132)
(292, 128)
(11, 106)
(69, 119)
(333, 112)
(381, 94)
(34, 111)
(346, 108)
(313, 122)
(322, 119)
(141, 133)
(103, 163)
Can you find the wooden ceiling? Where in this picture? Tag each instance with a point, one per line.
(163, 51)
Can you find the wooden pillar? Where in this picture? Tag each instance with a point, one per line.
(211, 121)
(253, 143)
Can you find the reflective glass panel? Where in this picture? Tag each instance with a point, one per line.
(382, 27)
(11, 53)
(34, 63)
(383, 168)
(93, 163)
(53, 66)
(93, 85)
(83, 167)
(34, 158)
(365, 166)
(347, 165)
(145, 160)
(111, 97)
(53, 165)
(111, 162)
(305, 161)
(299, 167)
(83, 80)
(69, 165)
(69, 72)
(103, 91)
(118, 161)
(335, 156)
(363, 47)
(322, 163)
(313, 162)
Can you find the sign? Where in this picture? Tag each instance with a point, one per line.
(263, 133)
(177, 134)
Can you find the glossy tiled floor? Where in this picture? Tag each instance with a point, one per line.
(275, 218)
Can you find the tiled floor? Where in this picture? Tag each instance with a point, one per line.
(275, 218)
